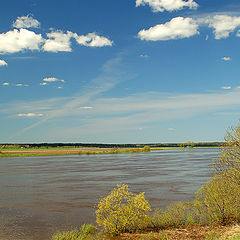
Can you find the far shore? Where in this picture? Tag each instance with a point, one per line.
(79, 151)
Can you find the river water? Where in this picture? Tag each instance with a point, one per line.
(40, 195)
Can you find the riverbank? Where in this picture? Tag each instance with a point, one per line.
(197, 232)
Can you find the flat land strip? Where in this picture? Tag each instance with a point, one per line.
(59, 151)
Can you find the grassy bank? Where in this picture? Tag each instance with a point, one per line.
(79, 151)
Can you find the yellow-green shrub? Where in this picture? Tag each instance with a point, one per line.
(175, 215)
(123, 211)
(218, 200)
(86, 232)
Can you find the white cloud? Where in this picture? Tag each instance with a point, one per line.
(19, 40)
(19, 85)
(5, 84)
(226, 58)
(144, 56)
(30, 115)
(177, 28)
(171, 129)
(92, 40)
(168, 5)
(26, 22)
(58, 42)
(59, 87)
(51, 79)
(43, 84)
(86, 107)
(226, 87)
(223, 25)
(3, 63)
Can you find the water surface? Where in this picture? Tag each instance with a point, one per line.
(39, 195)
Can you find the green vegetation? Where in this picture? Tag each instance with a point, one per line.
(86, 232)
(123, 211)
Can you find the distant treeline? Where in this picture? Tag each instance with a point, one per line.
(103, 145)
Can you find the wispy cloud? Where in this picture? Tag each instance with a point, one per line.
(226, 87)
(144, 56)
(110, 76)
(5, 84)
(30, 115)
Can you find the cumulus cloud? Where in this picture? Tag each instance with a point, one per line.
(223, 25)
(177, 28)
(19, 85)
(92, 40)
(30, 115)
(3, 63)
(58, 42)
(226, 87)
(168, 5)
(19, 40)
(5, 84)
(226, 58)
(26, 22)
(51, 79)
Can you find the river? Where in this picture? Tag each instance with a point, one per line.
(40, 195)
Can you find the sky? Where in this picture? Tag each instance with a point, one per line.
(111, 71)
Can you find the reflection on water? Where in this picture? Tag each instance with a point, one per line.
(39, 195)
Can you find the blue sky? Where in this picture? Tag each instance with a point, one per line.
(133, 71)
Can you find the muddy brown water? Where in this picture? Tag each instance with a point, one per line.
(40, 195)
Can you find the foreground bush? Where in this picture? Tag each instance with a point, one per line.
(123, 211)
(218, 201)
(86, 232)
(175, 215)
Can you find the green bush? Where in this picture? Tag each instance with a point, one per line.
(86, 232)
(218, 201)
(177, 214)
(123, 211)
(146, 149)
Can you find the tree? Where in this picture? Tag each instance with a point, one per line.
(228, 162)
(123, 211)
(218, 199)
